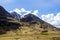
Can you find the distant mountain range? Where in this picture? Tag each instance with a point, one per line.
(14, 19)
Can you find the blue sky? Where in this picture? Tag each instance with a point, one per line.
(46, 8)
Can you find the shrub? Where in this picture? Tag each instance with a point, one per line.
(44, 32)
(56, 38)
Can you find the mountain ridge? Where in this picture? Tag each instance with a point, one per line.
(34, 19)
(27, 21)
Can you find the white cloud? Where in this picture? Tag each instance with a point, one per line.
(6, 1)
(16, 10)
(35, 12)
(19, 11)
(52, 19)
(27, 12)
(23, 10)
(48, 17)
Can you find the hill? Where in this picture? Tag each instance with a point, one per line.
(7, 22)
(30, 27)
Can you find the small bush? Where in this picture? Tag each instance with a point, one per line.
(44, 32)
(56, 38)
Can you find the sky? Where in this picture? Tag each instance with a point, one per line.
(47, 10)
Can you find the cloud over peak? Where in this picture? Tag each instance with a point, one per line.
(19, 11)
(35, 12)
(16, 10)
(52, 19)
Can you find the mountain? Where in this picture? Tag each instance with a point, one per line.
(7, 22)
(29, 27)
(36, 20)
(30, 17)
(15, 15)
(4, 13)
(10, 19)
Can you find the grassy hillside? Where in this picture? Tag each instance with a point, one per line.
(28, 31)
(30, 27)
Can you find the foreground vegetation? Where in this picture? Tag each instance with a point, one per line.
(24, 36)
(31, 32)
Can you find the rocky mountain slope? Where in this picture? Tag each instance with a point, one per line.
(26, 28)
(9, 19)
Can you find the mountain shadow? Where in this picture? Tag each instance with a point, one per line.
(7, 22)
